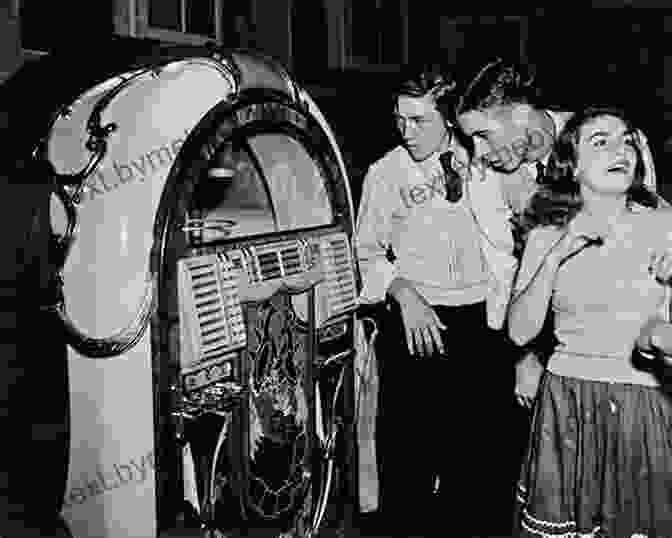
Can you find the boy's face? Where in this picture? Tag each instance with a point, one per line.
(499, 142)
(421, 125)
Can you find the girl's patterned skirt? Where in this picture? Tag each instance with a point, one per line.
(599, 462)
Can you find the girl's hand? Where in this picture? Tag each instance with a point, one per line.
(661, 339)
(561, 249)
(528, 376)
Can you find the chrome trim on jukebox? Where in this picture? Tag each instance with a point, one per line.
(63, 242)
(118, 343)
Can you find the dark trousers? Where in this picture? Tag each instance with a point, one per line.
(35, 416)
(34, 391)
(451, 416)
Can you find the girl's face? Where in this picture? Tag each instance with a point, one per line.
(606, 156)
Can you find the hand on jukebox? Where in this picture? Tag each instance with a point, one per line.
(421, 323)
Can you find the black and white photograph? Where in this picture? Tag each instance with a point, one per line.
(335, 269)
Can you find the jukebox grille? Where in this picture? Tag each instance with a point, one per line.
(212, 320)
(329, 254)
(339, 275)
(268, 262)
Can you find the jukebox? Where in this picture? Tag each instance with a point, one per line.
(204, 219)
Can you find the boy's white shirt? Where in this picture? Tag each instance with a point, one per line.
(484, 196)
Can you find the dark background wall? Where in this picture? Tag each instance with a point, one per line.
(608, 55)
(45, 25)
(615, 52)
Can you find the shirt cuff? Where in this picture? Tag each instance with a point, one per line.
(376, 281)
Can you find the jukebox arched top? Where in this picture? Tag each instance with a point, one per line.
(262, 180)
(261, 165)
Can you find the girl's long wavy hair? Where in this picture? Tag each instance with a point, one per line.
(558, 199)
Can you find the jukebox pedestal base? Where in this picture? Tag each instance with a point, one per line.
(325, 506)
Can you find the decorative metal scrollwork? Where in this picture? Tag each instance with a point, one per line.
(69, 188)
(118, 343)
(87, 346)
(210, 223)
(278, 408)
